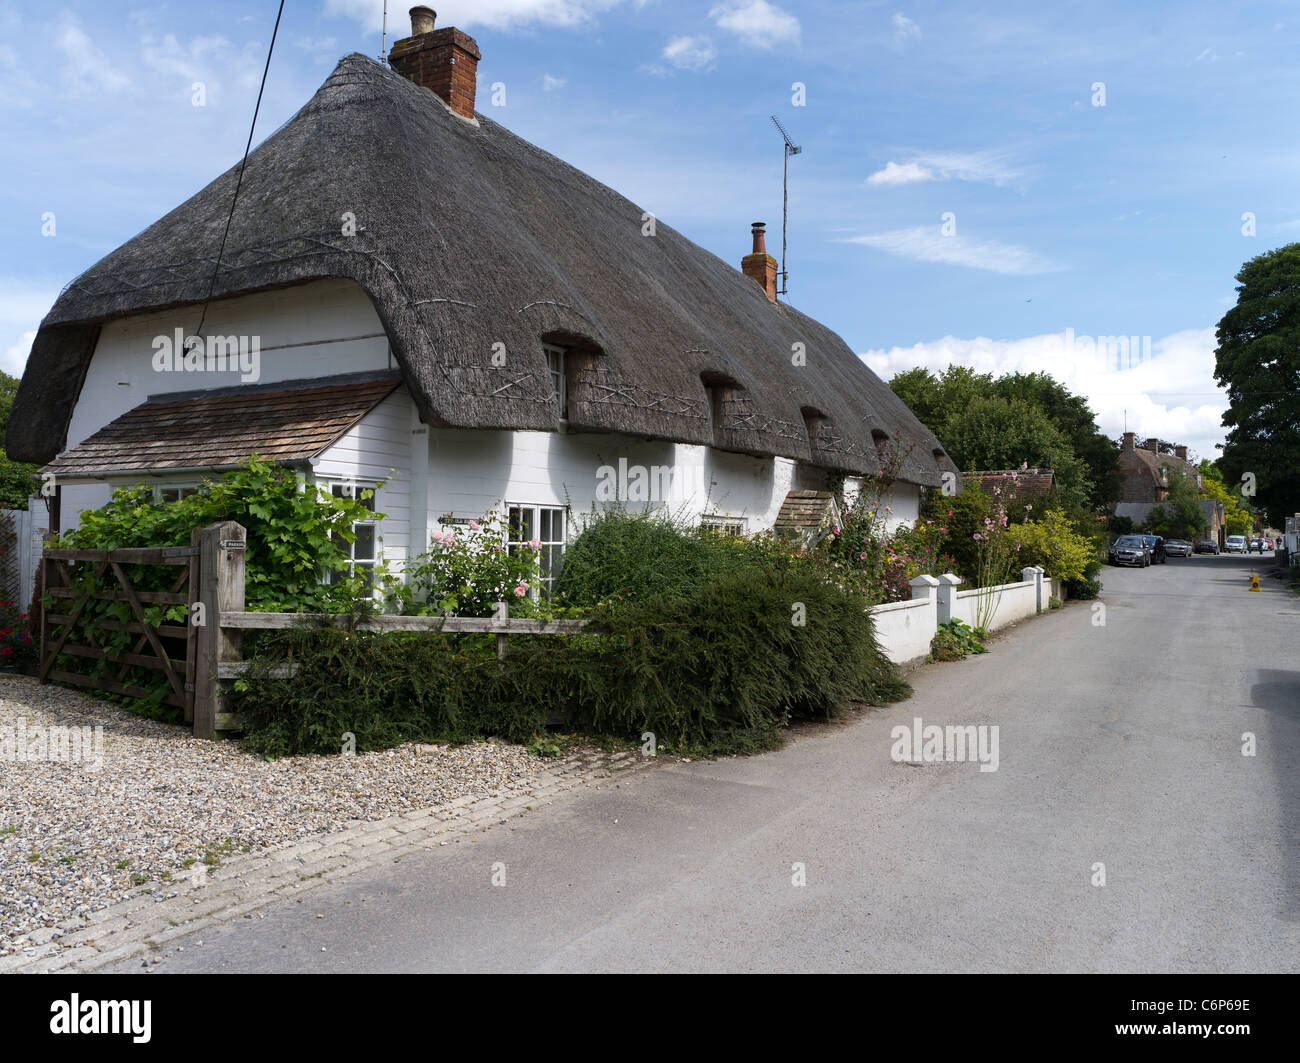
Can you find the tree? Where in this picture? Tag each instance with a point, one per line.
(1077, 423)
(1258, 361)
(17, 479)
(1180, 516)
(1060, 433)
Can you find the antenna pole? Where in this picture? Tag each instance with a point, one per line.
(788, 150)
(383, 41)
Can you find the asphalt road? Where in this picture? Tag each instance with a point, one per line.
(1118, 745)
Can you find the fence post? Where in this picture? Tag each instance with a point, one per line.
(1034, 575)
(221, 589)
(503, 640)
(948, 584)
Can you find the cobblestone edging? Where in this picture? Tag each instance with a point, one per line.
(144, 924)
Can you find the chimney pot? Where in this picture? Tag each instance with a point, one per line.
(759, 266)
(422, 19)
(443, 61)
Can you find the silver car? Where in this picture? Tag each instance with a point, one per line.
(1178, 548)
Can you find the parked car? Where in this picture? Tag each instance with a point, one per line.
(1268, 544)
(1130, 550)
(1236, 544)
(1206, 546)
(1156, 547)
(1178, 548)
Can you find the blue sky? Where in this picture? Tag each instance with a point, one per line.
(1122, 219)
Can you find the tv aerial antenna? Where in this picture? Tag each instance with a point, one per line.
(383, 41)
(790, 149)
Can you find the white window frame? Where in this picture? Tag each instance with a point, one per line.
(534, 511)
(182, 491)
(339, 487)
(555, 359)
(725, 525)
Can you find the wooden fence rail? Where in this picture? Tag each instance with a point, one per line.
(212, 589)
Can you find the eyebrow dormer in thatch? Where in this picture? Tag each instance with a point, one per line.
(470, 242)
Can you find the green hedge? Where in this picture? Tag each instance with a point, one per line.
(720, 668)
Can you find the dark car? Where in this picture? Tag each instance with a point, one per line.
(1206, 546)
(1178, 548)
(1157, 547)
(1129, 550)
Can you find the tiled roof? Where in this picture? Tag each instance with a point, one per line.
(1033, 483)
(225, 427)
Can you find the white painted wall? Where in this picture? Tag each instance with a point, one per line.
(905, 629)
(1017, 601)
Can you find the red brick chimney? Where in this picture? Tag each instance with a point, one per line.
(760, 266)
(1152, 445)
(1130, 441)
(444, 61)
(1181, 451)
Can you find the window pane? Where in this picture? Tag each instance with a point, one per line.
(364, 547)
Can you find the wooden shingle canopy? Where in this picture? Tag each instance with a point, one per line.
(806, 510)
(288, 422)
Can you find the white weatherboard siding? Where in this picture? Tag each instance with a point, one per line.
(378, 449)
(315, 330)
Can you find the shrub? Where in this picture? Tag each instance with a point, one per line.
(955, 641)
(1084, 589)
(467, 571)
(718, 669)
(1052, 543)
(635, 556)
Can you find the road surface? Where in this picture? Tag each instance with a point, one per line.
(1120, 744)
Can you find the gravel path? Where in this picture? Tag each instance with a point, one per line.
(78, 836)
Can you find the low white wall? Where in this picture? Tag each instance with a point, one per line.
(904, 629)
(1013, 601)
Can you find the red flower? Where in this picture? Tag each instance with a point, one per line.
(7, 651)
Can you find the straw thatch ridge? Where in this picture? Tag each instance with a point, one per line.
(470, 237)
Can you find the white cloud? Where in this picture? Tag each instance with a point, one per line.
(905, 29)
(22, 306)
(757, 23)
(494, 14)
(980, 167)
(896, 174)
(15, 358)
(86, 67)
(925, 243)
(690, 53)
(550, 84)
(1170, 395)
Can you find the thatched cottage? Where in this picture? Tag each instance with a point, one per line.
(409, 292)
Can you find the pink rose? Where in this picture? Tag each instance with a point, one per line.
(534, 544)
(474, 525)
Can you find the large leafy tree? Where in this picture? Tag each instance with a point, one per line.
(16, 478)
(1030, 418)
(1258, 361)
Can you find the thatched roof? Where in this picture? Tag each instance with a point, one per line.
(471, 237)
(224, 427)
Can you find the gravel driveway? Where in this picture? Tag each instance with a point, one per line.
(76, 836)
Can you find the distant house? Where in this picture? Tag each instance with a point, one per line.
(1140, 512)
(1013, 486)
(1147, 469)
(411, 294)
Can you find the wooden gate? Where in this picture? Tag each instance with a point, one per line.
(70, 602)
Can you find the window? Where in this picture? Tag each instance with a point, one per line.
(363, 552)
(173, 494)
(555, 364)
(723, 525)
(544, 524)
